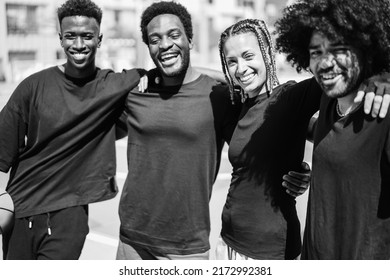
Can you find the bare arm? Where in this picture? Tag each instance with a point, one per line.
(215, 74)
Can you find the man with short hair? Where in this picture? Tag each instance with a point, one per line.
(176, 132)
(58, 138)
(342, 43)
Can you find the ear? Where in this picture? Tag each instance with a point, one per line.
(191, 44)
(100, 40)
(60, 36)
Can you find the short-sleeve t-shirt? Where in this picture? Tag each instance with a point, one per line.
(176, 135)
(348, 213)
(57, 135)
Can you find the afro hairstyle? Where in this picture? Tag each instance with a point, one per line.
(363, 24)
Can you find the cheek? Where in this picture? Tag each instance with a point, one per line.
(352, 62)
(232, 72)
(152, 50)
(312, 66)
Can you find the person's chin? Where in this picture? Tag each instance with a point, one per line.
(171, 72)
(335, 91)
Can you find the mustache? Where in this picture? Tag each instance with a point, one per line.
(341, 70)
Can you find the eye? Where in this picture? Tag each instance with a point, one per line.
(154, 40)
(249, 56)
(69, 36)
(88, 36)
(314, 54)
(175, 35)
(340, 50)
(231, 63)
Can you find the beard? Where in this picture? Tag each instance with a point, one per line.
(179, 71)
(349, 82)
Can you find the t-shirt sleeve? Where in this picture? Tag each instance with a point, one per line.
(306, 97)
(126, 80)
(230, 112)
(13, 126)
(121, 126)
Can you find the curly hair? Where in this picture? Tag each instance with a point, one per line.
(166, 7)
(363, 24)
(260, 30)
(80, 8)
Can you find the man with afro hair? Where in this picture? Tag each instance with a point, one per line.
(57, 137)
(176, 132)
(343, 43)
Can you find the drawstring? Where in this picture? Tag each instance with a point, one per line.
(48, 224)
(31, 219)
(30, 222)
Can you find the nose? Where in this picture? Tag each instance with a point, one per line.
(327, 60)
(79, 43)
(241, 66)
(165, 43)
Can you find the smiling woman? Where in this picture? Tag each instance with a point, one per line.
(259, 220)
(246, 64)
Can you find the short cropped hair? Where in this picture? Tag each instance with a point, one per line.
(363, 24)
(166, 7)
(80, 8)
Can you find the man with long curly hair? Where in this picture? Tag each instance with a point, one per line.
(342, 43)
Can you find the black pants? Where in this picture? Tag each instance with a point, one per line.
(58, 235)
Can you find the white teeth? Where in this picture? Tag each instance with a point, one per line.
(246, 78)
(79, 55)
(168, 56)
(329, 76)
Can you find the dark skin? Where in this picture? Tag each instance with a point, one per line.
(296, 183)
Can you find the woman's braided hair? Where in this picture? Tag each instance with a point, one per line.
(260, 30)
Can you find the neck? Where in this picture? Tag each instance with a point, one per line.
(346, 104)
(78, 73)
(256, 93)
(190, 75)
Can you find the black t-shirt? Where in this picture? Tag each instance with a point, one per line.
(176, 135)
(259, 219)
(58, 137)
(348, 213)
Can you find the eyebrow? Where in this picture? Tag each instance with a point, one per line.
(339, 43)
(243, 53)
(167, 32)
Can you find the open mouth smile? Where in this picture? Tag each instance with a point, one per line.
(247, 78)
(168, 58)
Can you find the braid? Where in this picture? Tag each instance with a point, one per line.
(259, 28)
(228, 79)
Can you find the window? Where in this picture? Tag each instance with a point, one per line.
(246, 3)
(21, 19)
(21, 55)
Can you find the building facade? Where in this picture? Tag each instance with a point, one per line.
(29, 32)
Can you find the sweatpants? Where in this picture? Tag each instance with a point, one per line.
(58, 235)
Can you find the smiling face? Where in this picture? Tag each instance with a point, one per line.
(245, 62)
(168, 45)
(80, 39)
(337, 67)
